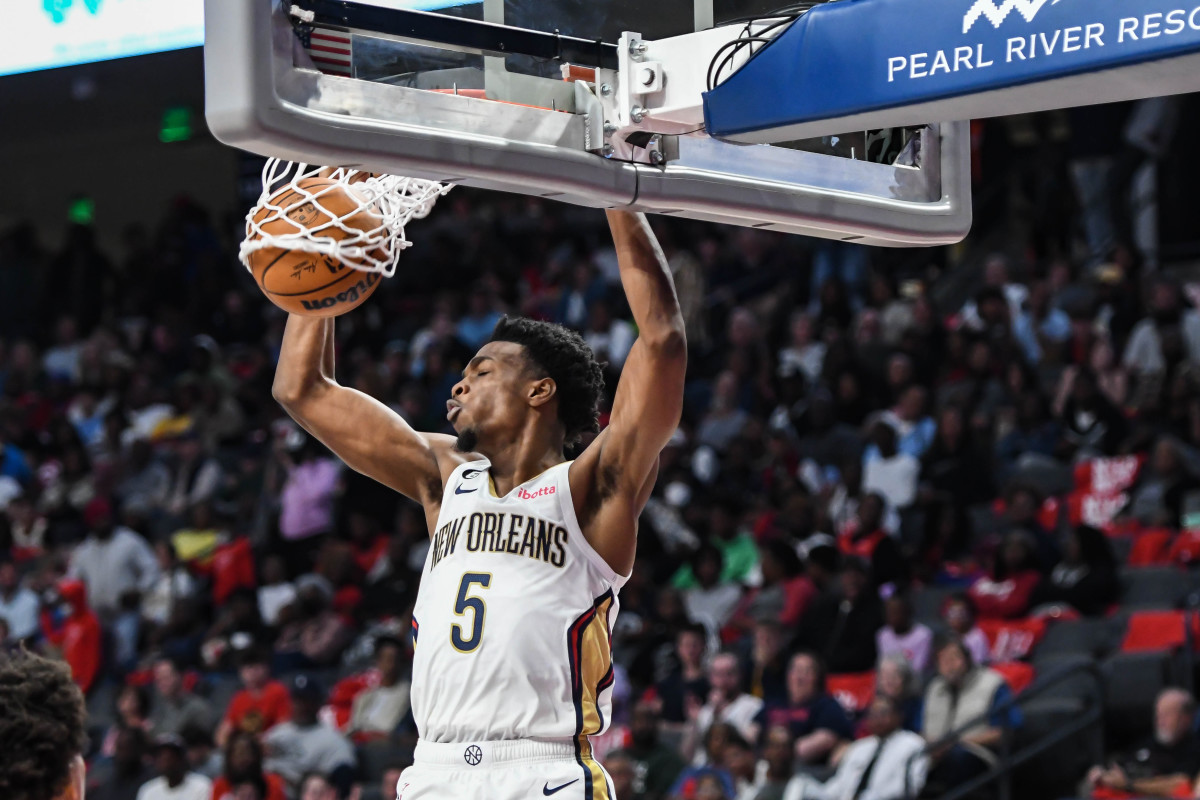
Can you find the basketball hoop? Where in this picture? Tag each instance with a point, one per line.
(356, 217)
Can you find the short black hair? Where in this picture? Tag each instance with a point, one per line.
(42, 726)
(563, 356)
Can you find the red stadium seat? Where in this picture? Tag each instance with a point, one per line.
(853, 690)
(1151, 548)
(1154, 630)
(1017, 674)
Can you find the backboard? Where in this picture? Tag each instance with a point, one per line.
(537, 97)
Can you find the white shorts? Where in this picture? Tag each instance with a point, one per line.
(520, 769)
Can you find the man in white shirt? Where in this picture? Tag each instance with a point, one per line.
(175, 782)
(305, 744)
(112, 561)
(18, 605)
(888, 765)
(726, 703)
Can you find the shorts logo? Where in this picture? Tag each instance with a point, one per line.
(473, 755)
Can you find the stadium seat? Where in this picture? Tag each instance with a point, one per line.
(1153, 587)
(1090, 637)
(1055, 772)
(927, 603)
(1122, 547)
(1017, 674)
(1150, 549)
(1132, 681)
(1078, 685)
(1154, 630)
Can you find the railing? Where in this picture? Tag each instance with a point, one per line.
(1007, 761)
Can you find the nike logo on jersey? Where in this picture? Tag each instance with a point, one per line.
(459, 490)
(546, 790)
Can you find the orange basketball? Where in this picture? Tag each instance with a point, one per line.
(312, 284)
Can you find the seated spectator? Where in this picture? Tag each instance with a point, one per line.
(867, 538)
(202, 755)
(895, 679)
(112, 561)
(888, 471)
(262, 702)
(175, 781)
(175, 708)
(244, 762)
(368, 543)
(739, 553)
(944, 557)
(620, 769)
(1092, 425)
(901, 635)
(725, 419)
(688, 679)
(914, 430)
(306, 502)
(688, 786)
(317, 787)
(841, 627)
(816, 720)
(305, 744)
(275, 592)
(962, 693)
(1009, 591)
(1165, 764)
(766, 670)
(389, 784)
(726, 703)
(655, 765)
(784, 594)
(70, 628)
(133, 711)
(315, 635)
(955, 469)
(1087, 578)
(1023, 507)
(1157, 497)
(743, 768)
(126, 773)
(380, 710)
(959, 615)
(777, 759)
(237, 626)
(18, 605)
(710, 601)
(174, 584)
(886, 765)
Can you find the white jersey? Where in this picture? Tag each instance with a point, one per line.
(513, 620)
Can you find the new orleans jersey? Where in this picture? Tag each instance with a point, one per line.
(513, 617)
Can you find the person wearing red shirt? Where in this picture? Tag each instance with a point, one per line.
(865, 538)
(1007, 593)
(261, 705)
(77, 635)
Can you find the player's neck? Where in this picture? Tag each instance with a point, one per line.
(522, 460)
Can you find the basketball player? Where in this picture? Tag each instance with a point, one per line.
(512, 668)
(41, 730)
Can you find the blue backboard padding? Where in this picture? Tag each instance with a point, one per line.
(856, 56)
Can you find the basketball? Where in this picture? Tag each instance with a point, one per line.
(312, 284)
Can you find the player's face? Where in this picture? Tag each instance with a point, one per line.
(493, 396)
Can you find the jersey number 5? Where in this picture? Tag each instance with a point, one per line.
(478, 609)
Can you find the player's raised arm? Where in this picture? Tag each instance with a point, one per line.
(648, 402)
(366, 434)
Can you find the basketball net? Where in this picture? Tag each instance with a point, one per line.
(368, 237)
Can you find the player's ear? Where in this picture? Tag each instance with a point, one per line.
(75, 784)
(541, 391)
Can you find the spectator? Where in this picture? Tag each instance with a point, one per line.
(306, 501)
(316, 635)
(380, 710)
(710, 602)
(197, 475)
(317, 787)
(389, 785)
(655, 766)
(959, 615)
(1087, 578)
(1040, 328)
(1092, 425)
(260, 705)
(962, 693)
(71, 628)
(175, 584)
(305, 744)
(841, 627)
(914, 430)
(1009, 591)
(889, 471)
(128, 772)
(133, 711)
(811, 715)
(145, 481)
(112, 562)
(901, 635)
(739, 553)
(1166, 764)
(896, 680)
(620, 769)
(244, 762)
(767, 670)
(202, 757)
(690, 785)
(725, 419)
(783, 595)
(888, 764)
(175, 709)
(18, 605)
(726, 703)
(1168, 320)
(1157, 498)
(175, 782)
(778, 758)
(688, 679)
(866, 539)
(275, 592)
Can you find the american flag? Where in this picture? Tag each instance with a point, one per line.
(331, 50)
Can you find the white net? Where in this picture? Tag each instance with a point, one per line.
(355, 217)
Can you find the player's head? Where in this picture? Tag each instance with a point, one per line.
(41, 730)
(530, 375)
